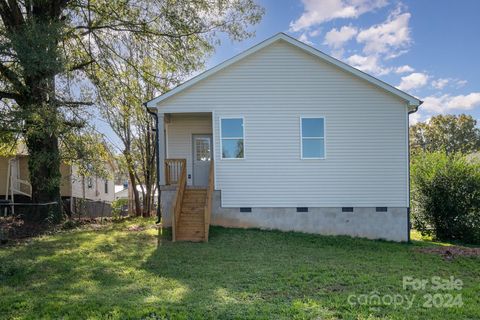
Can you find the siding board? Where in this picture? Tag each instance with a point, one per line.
(366, 152)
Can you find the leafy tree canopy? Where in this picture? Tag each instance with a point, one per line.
(446, 133)
(51, 48)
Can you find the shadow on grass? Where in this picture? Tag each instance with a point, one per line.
(115, 273)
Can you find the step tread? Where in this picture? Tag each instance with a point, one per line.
(195, 205)
(190, 239)
(195, 192)
(190, 235)
(197, 209)
(198, 231)
(191, 221)
(192, 228)
(193, 200)
(191, 216)
(193, 211)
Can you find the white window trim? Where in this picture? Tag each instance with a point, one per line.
(324, 138)
(221, 137)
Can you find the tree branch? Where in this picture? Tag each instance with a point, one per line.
(12, 77)
(75, 103)
(9, 95)
(81, 65)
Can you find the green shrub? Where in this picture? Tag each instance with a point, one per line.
(446, 197)
(118, 206)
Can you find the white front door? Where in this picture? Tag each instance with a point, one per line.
(202, 155)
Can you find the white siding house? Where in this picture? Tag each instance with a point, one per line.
(74, 188)
(352, 155)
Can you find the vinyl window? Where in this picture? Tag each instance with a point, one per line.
(312, 132)
(232, 138)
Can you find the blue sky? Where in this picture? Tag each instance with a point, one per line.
(427, 48)
(430, 49)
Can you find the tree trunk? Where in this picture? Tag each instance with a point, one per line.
(41, 138)
(45, 176)
(147, 201)
(136, 196)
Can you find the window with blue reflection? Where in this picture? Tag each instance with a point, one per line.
(313, 138)
(232, 138)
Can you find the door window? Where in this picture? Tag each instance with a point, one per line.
(202, 149)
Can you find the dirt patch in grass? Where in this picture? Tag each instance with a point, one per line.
(13, 229)
(136, 227)
(139, 228)
(451, 252)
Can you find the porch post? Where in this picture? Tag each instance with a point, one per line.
(161, 148)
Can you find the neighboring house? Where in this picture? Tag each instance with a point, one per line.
(98, 192)
(121, 191)
(124, 192)
(300, 141)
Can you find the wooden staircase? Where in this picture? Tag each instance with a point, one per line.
(192, 207)
(191, 223)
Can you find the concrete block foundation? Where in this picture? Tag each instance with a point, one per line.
(363, 222)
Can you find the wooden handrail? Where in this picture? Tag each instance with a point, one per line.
(173, 170)
(177, 203)
(208, 200)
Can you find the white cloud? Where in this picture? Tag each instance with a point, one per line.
(446, 102)
(380, 42)
(304, 38)
(443, 82)
(395, 54)
(368, 64)
(413, 81)
(388, 37)
(415, 117)
(337, 53)
(404, 69)
(337, 38)
(317, 12)
(440, 83)
(314, 33)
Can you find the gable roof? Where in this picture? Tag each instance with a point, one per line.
(412, 101)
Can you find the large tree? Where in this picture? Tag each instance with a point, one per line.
(446, 133)
(121, 104)
(48, 45)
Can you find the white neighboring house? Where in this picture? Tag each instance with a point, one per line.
(300, 141)
(125, 192)
(15, 185)
(121, 192)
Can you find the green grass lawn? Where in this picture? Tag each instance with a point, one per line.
(115, 273)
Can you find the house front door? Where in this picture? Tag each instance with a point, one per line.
(202, 155)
